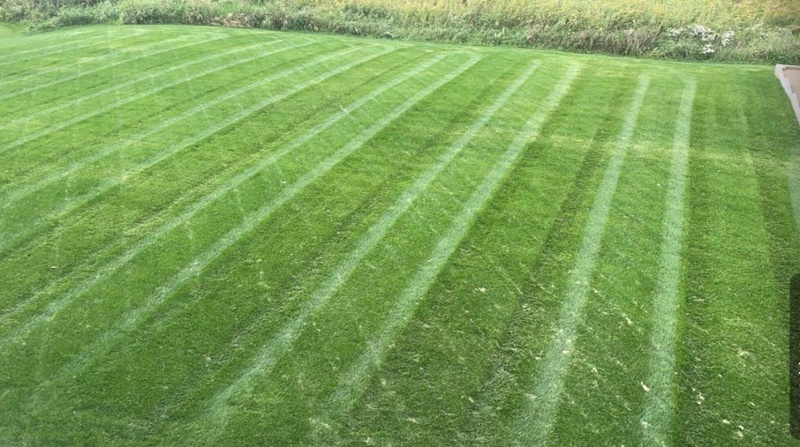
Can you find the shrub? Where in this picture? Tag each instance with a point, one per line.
(722, 30)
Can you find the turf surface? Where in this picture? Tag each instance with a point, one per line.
(226, 237)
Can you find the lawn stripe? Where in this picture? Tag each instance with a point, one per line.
(44, 39)
(218, 414)
(56, 49)
(26, 78)
(136, 316)
(656, 420)
(148, 77)
(101, 68)
(535, 424)
(735, 339)
(68, 46)
(352, 384)
(213, 196)
(169, 151)
(16, 194)
(51, 51)
(113, 105)
(56, 306)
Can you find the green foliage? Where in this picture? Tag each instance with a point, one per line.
(631, 28)
(104, 12)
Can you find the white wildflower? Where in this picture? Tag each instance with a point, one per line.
(726, 37)
(675, 32)
(700, 30)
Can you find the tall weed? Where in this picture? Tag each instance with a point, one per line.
(759, 31)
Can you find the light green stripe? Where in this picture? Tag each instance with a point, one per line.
(104, 271)
(536, 423)
(281, 343)
(354, 381)
(171, 150)
(22, 192)
(59, 305)
(658, 401)
(147, 77)
(131, 320)
(37, 87)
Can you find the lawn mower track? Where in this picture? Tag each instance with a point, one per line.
(145, 77)
(278, 345)
(62, 79)
(353, 384)
(158, 71)
(51, 50)
(53, 310)
(105, 47)
(76, 202)
(536, 423)
(29, 318)
(138, 315)
(216, 194)
(659, 404)
(20, 193)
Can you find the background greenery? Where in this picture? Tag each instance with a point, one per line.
(763, 31)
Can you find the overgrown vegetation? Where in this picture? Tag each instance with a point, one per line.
(765, 31)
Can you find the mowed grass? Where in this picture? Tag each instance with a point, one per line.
(228, 237)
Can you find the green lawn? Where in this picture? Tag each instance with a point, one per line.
(10, 29)
(228, 237)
